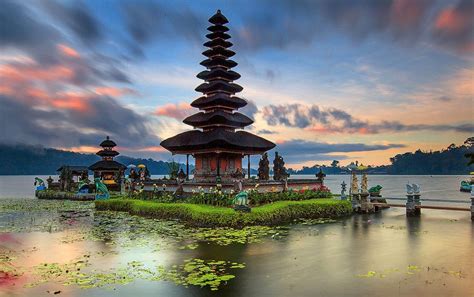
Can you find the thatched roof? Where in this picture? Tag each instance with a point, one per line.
(218, 117)
(218, 139)
(107, 165)
(218, 18)
(219, 99)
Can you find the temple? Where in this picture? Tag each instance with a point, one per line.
(108, 170)
(218, 142)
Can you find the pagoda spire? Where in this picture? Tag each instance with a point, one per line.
(218, 102)
(218, 124)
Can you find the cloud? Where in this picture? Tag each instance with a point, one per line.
(78, 18)
(19, 29)
(284, 24)
(298, 150)
(250, 109)
(332, 120)
(454, 26)
(57, 95)
(290, 23)
(266, 131)
(177, 111)
(147, 21)
(63, 126)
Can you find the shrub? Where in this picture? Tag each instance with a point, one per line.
(212, 216)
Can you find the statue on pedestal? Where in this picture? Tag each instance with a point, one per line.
(320, 176)
(49, 181)
(241, 202)
(354, 184)
(181, 176)
(279, 170)
(264, 168)
(238, 175)
(343, 190)
(363, 183)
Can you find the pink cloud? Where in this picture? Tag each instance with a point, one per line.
(68, 51)
(177, 111)
(113, 91)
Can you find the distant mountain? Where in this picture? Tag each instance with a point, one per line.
(452, 160)
(30, 160)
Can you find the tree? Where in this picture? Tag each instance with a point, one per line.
(334, 163)
(470, 154)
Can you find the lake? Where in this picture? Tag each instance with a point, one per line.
(48, 244)
(436, 186)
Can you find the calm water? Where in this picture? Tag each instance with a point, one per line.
(428, 256)
(383, 254)
(436, 186)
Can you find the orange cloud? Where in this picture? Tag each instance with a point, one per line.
(114, 92)
(80, 149)
(28, 72)
(68, 51)
(178, 111)
(149, 149)
(73, 102)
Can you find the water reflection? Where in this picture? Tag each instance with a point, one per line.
(431, 255)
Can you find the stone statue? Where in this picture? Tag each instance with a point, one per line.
(241, 202)
(363, 183)
(133, 175)
(65, 179)
(320, 176)
(49, 181)
(416, 189)
(39, 183)
(181, 176)
(279, 170)
(354, 184)
(238, 175)
(343, 191)
(264, 168)
(101, 189)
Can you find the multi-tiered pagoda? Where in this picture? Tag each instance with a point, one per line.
(107, 169)
(218, 142)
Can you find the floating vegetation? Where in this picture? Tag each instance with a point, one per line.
(8, 271)
(226, 236)
(202, 273)
(196, 272)
(411, 270)
(393, 227)
(315, 221)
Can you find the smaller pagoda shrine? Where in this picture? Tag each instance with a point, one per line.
(108, 170)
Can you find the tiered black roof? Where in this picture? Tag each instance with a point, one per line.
(108, 143)
(219, 118)
(107, 154)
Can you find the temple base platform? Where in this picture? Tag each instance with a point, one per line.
(228, 186)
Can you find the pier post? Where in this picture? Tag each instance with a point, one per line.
(417, 199)
(410, 205)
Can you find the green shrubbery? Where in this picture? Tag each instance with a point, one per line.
(216, 197)
(212, 216)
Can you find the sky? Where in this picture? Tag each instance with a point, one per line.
(347, 80)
